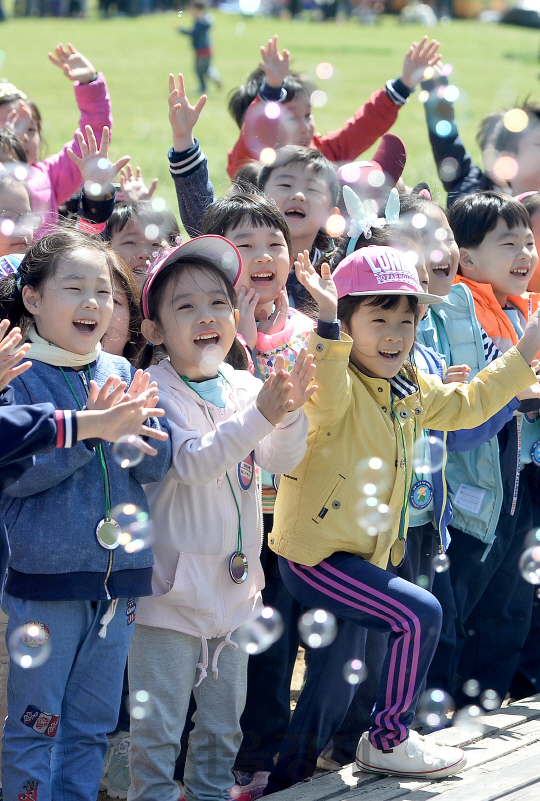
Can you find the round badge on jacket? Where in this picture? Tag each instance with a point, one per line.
(421, 494)
(246, 470)
(535, 453)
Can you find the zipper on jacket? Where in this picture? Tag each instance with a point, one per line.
(82, 376)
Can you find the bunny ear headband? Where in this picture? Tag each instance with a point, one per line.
(362, 220)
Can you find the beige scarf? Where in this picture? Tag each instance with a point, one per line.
(43, 351)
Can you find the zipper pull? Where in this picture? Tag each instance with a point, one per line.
(82, 376)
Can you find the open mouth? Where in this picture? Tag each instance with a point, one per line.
(207, 338)
(262, 277)
(85, 326)
(389, 355)
(520, 272)
(441, 270)
(295, 214)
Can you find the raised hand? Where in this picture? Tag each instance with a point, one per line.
(73, 64)
(94, 163)
(419, 57)
(321, 287)
(182, 115)
(247, 325)
(457, 374)
(276, 322)
(141, 385)
(273, 64)
(19, 120)
(108, 396)
(274, 400)
(9, 357)
(300, 378)
(133, 186)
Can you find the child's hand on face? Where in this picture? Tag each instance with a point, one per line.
(300, 377)
(74, 65)
(458, 374)
(182, 115)
(133, 186)
(274, 65)
(276, 322)
(9, 357)
(94, 163)
(419, 56)
(247, 325)
(321, 287)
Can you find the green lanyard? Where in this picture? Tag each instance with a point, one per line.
(99, 449)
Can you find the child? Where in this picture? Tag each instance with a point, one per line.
(123, 337)
(17, 220)
(368, 404)
(200, 36)
(53, 180)
(79, 587)
(294, 124)
(207, 574)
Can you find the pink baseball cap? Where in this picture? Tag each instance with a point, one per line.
(378, 270)
(216, 248)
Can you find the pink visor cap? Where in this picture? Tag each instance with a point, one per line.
(378, 270)
(216, 248)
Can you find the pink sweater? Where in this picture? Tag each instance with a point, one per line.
(55, 179)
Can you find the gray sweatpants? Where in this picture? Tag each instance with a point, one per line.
(163, 662)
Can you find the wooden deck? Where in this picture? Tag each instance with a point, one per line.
(503, 763)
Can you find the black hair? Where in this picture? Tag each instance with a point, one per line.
(156, 295)
(305, 157)
(12, 146)
(136, 341)
(494, 135)
(473, 216)
(123, 213)
(241, 98)
(532, 203)
(238, 207)
(39, 265)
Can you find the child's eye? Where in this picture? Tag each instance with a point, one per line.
(219, 303)
(245, 245)
(184, 306)
(287, 186)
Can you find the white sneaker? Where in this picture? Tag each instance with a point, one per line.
(415, 757)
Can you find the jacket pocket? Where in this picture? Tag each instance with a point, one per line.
(194, 586)
(331, 500)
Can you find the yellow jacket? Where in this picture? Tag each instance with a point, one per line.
(350, 420)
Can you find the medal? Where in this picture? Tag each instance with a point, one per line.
(422, 493)
(398, 554)
(238, 567)
(107, 533)
(246, 469)
(535, 453)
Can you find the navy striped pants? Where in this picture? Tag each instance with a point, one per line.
(362, 597)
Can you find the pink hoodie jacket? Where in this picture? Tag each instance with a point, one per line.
(54, 180)
(193, 510)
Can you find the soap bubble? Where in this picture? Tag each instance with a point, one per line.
(318, 628)
(350, 173)
(240, 29)
(447, 69)
(532, 538)
(140, 705)
(448, 169)
(515, 120)
(355, 671)
(443, 128)
(127, 451)
(268, 155)
(7, 227)
(103, 164)
(490, 700)
(376, 178)
(324, 70)
(451, 93)
(429, 72)
(505, 168)
(159, 203)
(258, 634)
(272, 110)
(318, 98)
(436, 256)
(20, 172)
(419, 221)
(423, 97)
(471, 688)
(30, 645)
(428, 455)
(470, 720)
(422, 581)
(434, 708)
(374, 477)
(151, 232)
(213, 355)
(440, 235)
(93, 188)
(373, 515)
(335, 225)
(529, 565)
(441, 563)
(137, 530)
(249, 6)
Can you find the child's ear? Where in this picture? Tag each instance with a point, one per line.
(151, 333)
(30, 299)
(467, 260)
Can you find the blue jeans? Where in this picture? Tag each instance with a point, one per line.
(77, 693)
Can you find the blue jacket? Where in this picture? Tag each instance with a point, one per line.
(200, 33)
(52, 511)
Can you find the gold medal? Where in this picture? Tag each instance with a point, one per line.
(398, 552)
(108, 533)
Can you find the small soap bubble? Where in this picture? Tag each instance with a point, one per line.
(448, 169)
(434, 708)
(140, 705)
(227, 261)
(350, 173)
(532, 538)
(451, 93)
(2, 56)
(137, 531)
(213, 355)
(318, 98)
(30, 645)
(249, 6)
(127, 451)
(272, 110)
(440, 235)
(268, 155)
(437, 256)
(411, 258)
(324, 70)
(335, 225)
(428, 455)
(515, 120)
(471, 688)
(376, 178)
(373, 515)
(20, 172)
(354, 671)
(529, 565)
(419, 221)
(151, 232)
(258, 634)
(103, 164)
(505, 168)
(443, 128)
(470, 720)
(318, 628)
(447, 70)
(240, 29)
(422, 581)
(159, 203)
(374, 477)
(429, 72)
(95, 189)
(490, 700)
(7, 227)
(423, 97)
(441, 563)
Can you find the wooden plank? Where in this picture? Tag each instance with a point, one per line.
(530, 793)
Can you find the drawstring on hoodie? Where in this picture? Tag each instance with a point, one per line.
(107, 617)
(203, 664)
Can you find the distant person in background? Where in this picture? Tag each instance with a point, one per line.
(200, 35)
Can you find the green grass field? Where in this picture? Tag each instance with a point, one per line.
(493, 67)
